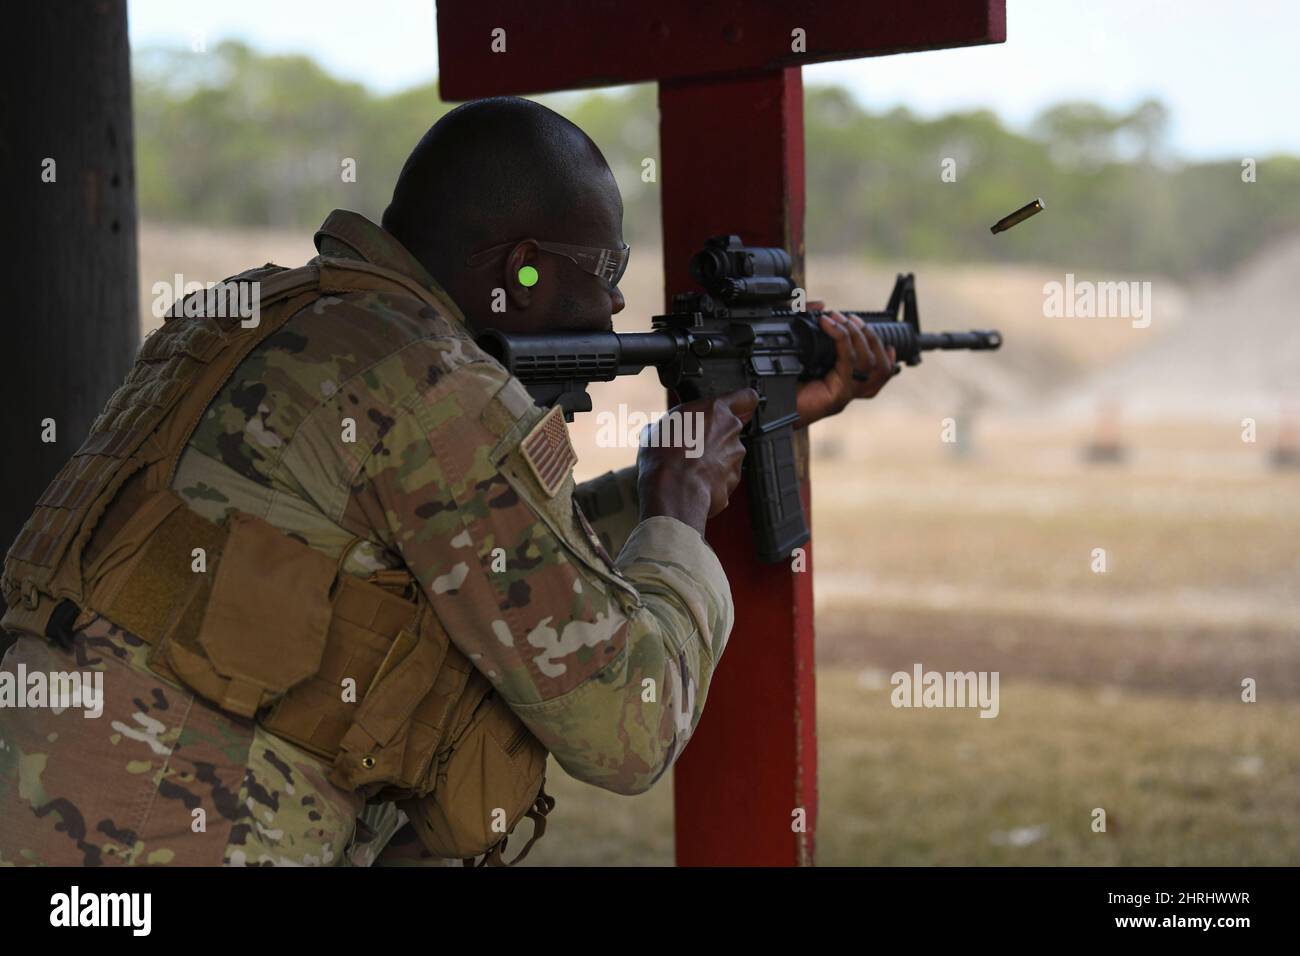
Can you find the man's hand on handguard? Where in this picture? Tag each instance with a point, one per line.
(862, 367)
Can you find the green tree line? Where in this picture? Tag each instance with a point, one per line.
(235, 137)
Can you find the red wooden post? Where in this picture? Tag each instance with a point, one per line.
(732, 160)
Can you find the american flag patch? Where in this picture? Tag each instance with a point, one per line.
(549, 452)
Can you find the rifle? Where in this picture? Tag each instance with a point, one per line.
(741, 332)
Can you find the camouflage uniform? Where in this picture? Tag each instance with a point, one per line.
(607, 661)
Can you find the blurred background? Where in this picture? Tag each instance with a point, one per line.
(956, 516)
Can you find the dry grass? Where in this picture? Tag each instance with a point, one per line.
(1119, 690)
(1183, 780)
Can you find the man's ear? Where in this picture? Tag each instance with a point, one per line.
(522, 273)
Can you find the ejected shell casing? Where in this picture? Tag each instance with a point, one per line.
(1017, 217)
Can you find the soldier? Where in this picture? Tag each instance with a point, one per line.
(334, 570)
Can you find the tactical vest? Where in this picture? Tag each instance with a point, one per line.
(272, 628)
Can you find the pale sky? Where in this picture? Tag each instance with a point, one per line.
(1221, 67)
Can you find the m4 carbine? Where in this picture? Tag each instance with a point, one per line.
(741, 332)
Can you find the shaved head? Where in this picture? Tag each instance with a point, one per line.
(496, 170)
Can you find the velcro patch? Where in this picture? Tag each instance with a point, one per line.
(549, 452)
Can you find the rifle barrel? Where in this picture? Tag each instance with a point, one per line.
(976, 340)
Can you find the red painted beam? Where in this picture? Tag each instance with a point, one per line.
(573, 44)
(733, 162)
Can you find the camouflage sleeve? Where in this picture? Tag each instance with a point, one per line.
(612, 505)
(607, 662)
